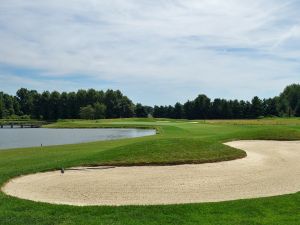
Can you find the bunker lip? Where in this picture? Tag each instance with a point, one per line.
(270, 168)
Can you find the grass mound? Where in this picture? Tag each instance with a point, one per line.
(168, 151)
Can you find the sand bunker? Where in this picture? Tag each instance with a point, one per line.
(271, 168)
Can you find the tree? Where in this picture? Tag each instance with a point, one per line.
(297, 111)
(125, 108)
(178, 111)
(87, 112)
(1, 106)
(226, 109)
(140, 110)
(44, 105)
(72, 105)
(91, 96)
(54, 106)
(99, 110)
(8, 105)
(156, 112)
(216, 109)
(201, 107)
(81, 98)
(290, 99)
(256, 108)
(64, 108)
(26, 100)
(188, 110)
(112, 104)
(270, 107)
(148, 109)
(237, 111)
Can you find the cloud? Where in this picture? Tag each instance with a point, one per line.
(156, 51)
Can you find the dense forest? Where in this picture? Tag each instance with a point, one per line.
(92, 104)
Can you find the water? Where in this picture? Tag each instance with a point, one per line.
(31, 137)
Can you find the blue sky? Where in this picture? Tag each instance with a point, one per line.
(156, 52)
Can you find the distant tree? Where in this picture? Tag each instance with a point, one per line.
(140, 110)
(201, 107)
(216, 110)
(297, 111)
(125, 107)
(8, 105)
(149, 110)
(169, 112)
(16, 106)
(54, 106)
(247, 110)
(163, 111)
(290, 98)
(156, 112)
(111, 100)
(1, 106)
(114, 104)
(81, 99)
(99, 110)
(284, 107)
(256, 108)
(26, 100)
(237, 111)
(91, 97)
(23, 97)
(270, 107)
(64, 108)
(188, 110)
(87, 112)
(178, 111)
(227, 109)
(44, 105)
(72, 105)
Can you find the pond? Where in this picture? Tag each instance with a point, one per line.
(32, 137)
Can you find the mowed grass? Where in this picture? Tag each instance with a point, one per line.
(177, 141)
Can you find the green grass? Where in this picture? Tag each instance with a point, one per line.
(177, 141)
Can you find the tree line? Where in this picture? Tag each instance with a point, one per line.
(287, 104)
(93, 104)
(87, 104)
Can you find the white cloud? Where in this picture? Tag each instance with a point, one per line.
(172, 48)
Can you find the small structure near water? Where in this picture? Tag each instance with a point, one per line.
(20, 125)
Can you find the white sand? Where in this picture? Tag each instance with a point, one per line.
(271, 168)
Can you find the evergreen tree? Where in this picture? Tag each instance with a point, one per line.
(256, 108)
(157, 112)
(140, 110)
(178, 111)
(201, 107)
(1, 106)
(297, 111)
(188, 110)
(54, 106)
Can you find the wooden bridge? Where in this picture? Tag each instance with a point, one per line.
(21, 124)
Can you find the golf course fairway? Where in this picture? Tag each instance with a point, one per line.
(177, 144)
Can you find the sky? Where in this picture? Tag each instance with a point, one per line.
(154, 51)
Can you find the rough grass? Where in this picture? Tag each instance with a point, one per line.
(177, 142)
